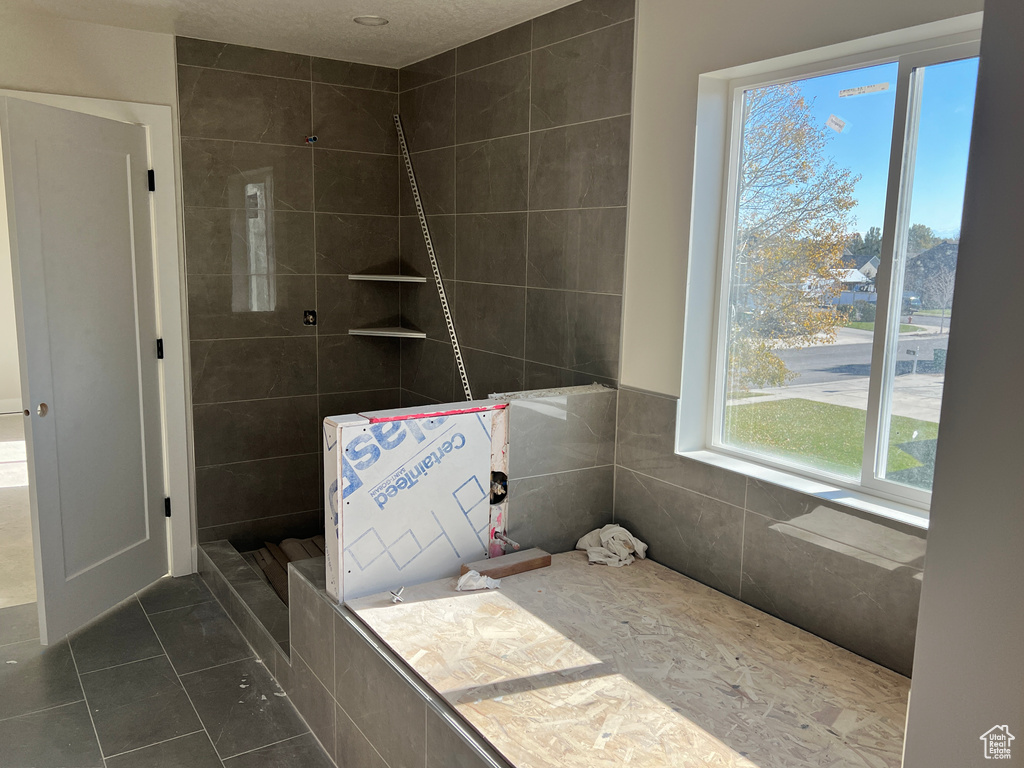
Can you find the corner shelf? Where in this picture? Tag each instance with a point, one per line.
(399, 333)
(389, 278)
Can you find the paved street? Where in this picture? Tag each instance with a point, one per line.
(838, 374)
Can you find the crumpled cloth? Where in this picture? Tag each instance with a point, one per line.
(471, 580)
(612, 545)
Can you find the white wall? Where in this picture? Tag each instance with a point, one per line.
(10, 377)
(969, 663)
(676, 42)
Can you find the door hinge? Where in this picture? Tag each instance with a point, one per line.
(152, 180)
(167, 506)
(159, 349)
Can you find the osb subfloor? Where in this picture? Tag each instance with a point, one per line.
(580, 665)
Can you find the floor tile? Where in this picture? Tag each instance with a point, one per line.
(199, 636)
(242, 707)
(34, 677)
(138, 704)
(192, 751)
(300, 752)
(120, 636)
(54, 738)
(168, 593)
(18, 623)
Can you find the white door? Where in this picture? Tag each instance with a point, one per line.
(79, 217)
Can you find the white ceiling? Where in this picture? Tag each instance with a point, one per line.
(418, 28)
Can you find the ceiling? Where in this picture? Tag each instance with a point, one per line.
(418, 28)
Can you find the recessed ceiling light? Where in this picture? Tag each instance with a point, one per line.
(370, 21)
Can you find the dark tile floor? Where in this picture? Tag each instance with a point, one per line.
(162, 680)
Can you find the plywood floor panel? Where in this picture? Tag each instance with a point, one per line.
(586, 665)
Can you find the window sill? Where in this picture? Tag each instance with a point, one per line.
(874, 505)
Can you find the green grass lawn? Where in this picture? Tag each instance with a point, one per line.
(934, 312)
(904, 328)
(830, 437)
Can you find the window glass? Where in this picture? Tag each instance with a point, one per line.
(804, 251)
(941, 109)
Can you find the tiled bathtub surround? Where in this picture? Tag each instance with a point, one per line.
(561, 465)
(521, 147)
(274, 227)
(847, 576)
(350, 690)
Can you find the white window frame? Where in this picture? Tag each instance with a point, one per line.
(713, 218)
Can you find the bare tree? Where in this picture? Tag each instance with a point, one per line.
(939, 291)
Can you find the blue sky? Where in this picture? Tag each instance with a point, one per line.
(947, 109)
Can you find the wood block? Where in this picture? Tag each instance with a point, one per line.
(511, 564)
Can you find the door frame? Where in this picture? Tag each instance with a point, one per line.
(172, 319)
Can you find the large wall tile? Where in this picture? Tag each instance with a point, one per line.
(428, 370)
(491, 317)
(341, 403)
(889, 539)
(446, 749)
(563, 432)
(414, 249)
(580, 166)
(421, 308)
(581, 250)
(428, 115)
(350, 363)
(491, 248)
(646, 443)
(435, 178)
(218, 242)
(343, 304)
(579, 331)
(539, 376)
(255, 429)
(427, 71)
(578, 18)
(355, 75)
(553, 511)
(354, 182)
(501, 45)
(234, 307)
(388, 711)
(858, 600)
(204, 53)
(493, 101)
(696, 535)
(216, 104)
(233, 493)
(489, 373)
(349, 244)
(247, 369)
(355, 119)
(584, 78)
(253, 534)
(491, 176)
(218, 174)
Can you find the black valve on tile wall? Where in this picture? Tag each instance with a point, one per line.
(309, 317)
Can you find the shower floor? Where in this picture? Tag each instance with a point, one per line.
(583, 665)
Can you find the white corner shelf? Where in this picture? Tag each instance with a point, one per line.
(398, 333)
(389, 278)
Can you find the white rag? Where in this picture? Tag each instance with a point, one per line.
(472, 580)
(612, 545)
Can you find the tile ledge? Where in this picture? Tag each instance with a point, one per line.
(874, 505)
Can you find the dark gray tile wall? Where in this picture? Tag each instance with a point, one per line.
(561, 465)
(262, 381)
(847, 576)
(521, 147)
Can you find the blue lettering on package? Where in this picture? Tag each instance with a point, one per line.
(410, 474)
(365, 450)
